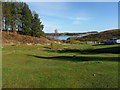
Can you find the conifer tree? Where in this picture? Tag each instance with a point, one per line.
(26, 20)
(7, 15)
(36, 27)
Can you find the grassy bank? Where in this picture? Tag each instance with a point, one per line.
(66, 66)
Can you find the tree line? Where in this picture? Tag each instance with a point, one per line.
(17, 17)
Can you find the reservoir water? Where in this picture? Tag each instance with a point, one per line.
(62, 37)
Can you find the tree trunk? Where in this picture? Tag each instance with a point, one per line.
(14, 29)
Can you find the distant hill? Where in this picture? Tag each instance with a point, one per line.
(115, 33)
(70, 34)
(10, 38)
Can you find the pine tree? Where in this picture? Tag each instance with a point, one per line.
(26, 20)
(15, 16)
(7, 14)
(37, 27)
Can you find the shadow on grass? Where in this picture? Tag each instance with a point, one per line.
(47, 47)
(112, 50)
(78, 58)
(99, 44)
(104, 44)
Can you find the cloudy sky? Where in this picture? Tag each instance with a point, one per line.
(76, 16)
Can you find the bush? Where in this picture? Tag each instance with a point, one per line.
(52, 45)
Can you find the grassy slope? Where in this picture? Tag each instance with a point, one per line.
(37, 66)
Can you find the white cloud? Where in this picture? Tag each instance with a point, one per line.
(81, 18)
(49, 9)
(78, 20)
(58, 10)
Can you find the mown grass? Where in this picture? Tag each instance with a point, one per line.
(40, 67)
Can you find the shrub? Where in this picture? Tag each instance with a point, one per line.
(52, 45)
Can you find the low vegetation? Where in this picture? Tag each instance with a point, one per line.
(73, 41)
(9, 38)
(65, 66)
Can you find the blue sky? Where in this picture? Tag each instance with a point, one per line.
(76, 16)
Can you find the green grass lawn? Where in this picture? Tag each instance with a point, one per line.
(67, 66)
